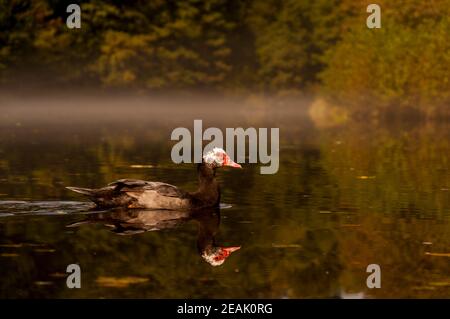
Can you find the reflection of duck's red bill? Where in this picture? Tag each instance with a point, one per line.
(225, 252)
(231, 249)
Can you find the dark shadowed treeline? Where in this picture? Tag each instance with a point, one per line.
(279, 47)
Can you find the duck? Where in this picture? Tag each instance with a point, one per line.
(134, 193)
(126, 222)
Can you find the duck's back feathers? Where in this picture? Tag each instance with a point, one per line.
(137, 186)
(132, 193)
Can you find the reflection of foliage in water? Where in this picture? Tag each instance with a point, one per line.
(308, 231)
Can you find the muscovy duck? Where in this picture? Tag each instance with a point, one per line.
(132, 222)
(132, 193)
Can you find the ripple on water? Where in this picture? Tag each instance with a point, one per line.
(45, 208)
(12, 208)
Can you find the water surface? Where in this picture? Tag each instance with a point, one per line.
(344, 197)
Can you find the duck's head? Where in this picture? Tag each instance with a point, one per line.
(218, 158)
(216, 256)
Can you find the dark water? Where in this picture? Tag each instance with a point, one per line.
(343, 198)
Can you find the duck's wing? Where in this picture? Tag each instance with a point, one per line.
(131, 186)
(134, 193)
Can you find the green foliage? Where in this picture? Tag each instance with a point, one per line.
(291, 39)
(405, 64)
(267, 46)
(187, 48)
(18, 20)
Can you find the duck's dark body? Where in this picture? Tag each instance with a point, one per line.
(132, 193)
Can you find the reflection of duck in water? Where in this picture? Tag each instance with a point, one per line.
(133, 193)
(131, 222)
(208, 227)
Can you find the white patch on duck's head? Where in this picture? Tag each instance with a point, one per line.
(210, 259)
(218, 255)
(218, 158)
(215, 157)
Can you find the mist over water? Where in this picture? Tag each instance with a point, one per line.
(345, 196)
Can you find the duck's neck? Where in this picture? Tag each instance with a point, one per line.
(208, 192)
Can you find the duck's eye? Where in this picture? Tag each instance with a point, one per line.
(224, 159)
